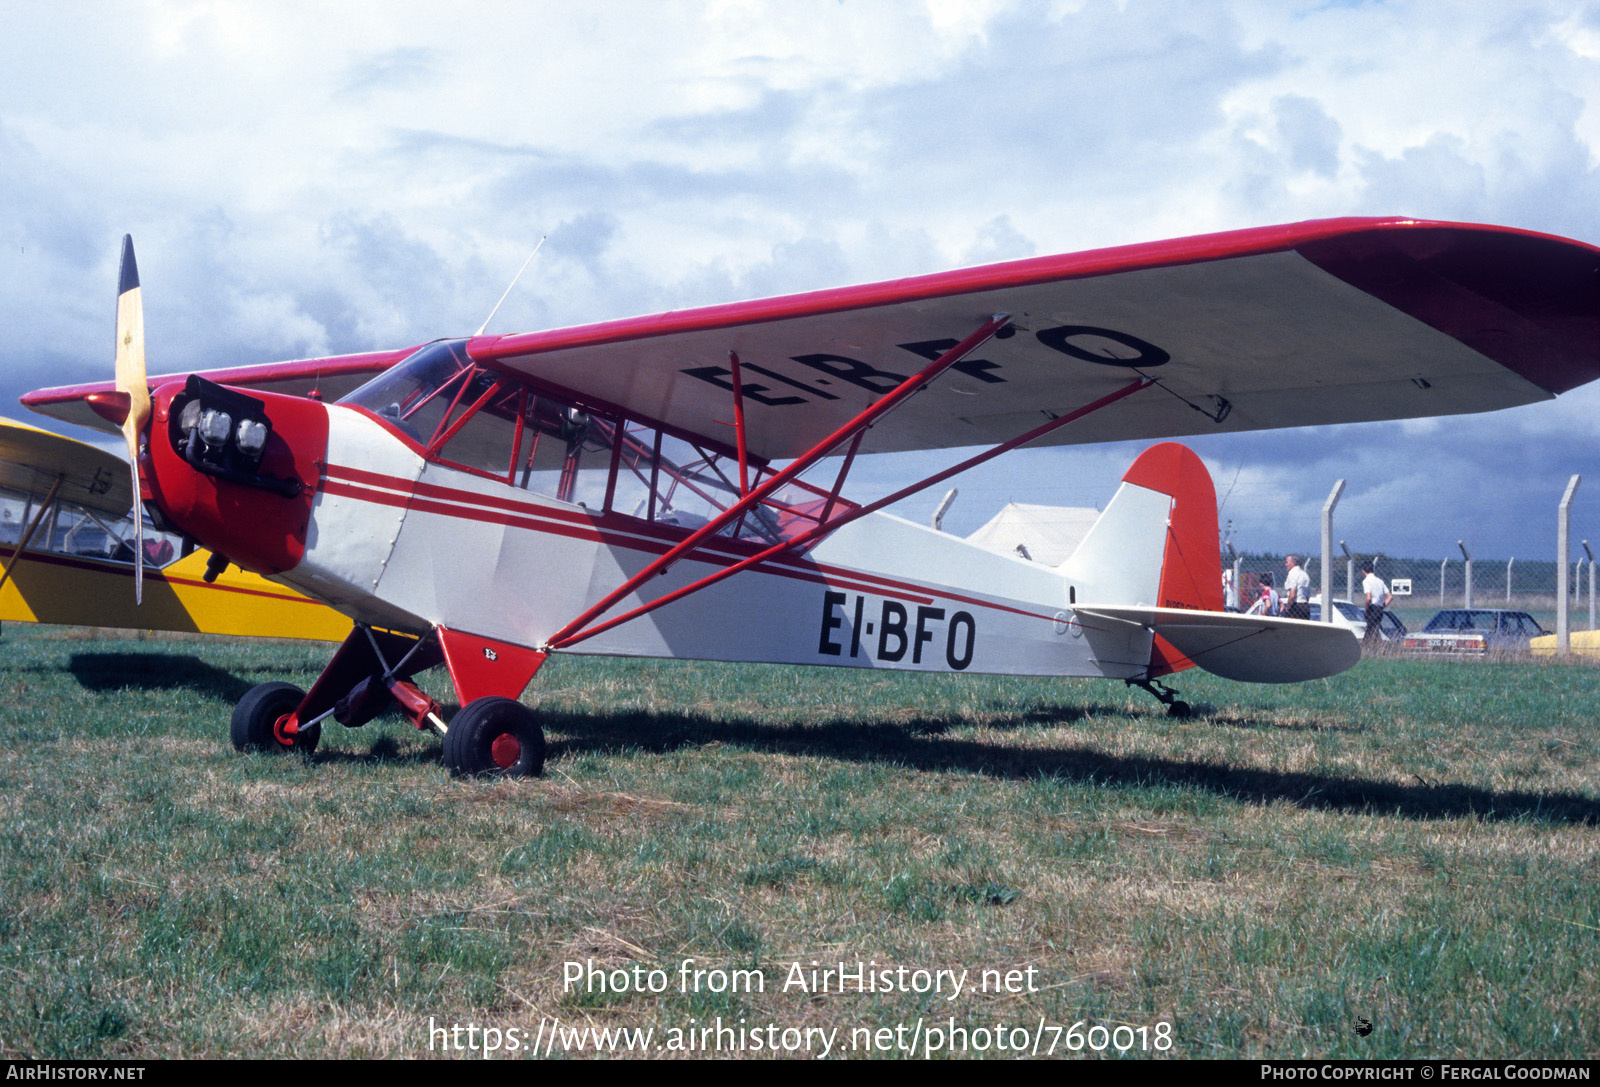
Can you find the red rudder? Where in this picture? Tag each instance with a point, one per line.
(1191, 566)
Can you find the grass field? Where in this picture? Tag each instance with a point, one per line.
(1412, 844)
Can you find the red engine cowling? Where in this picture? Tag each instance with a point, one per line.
(256, 516)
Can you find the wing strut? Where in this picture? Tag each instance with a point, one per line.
(573, 633)
(738, 424)
(886, 403)
(44, 508)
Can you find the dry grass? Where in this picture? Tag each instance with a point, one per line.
(1411, 844)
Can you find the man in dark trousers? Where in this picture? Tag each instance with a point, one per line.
(1378, 597)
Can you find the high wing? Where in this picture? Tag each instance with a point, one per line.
(32, 461)
(96, 405)
(1343, 320)
(1324, 322)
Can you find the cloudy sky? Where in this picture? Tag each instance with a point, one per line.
(310, 178)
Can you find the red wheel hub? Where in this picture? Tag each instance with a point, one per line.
(505, 750)
(281, 733)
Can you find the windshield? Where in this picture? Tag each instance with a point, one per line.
(412, 393)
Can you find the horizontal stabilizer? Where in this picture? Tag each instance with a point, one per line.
(1247, 648)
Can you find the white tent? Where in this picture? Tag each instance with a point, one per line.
(1045, 534)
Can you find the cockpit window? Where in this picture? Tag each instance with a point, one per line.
(497, 425)
(415, 393)
(66, 529)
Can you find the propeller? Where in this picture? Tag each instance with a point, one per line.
(132, 383)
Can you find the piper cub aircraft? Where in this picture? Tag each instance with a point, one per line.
(636, 487)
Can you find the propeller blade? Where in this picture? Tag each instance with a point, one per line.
(132, 382)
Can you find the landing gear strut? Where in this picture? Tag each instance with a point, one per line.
(1167, 696)
(491, 735)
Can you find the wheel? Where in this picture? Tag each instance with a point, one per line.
(259, 713)
(1180, 709)
(495, 736)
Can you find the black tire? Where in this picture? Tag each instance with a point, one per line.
(495, 737)
(1180, 709)
(257, 714)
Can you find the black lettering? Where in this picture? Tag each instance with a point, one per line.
(855, 630)
(924, 635)
(1060, 338)
(856, 373)
(717, 375)
(826, 645)
(789, 381)
(933, 350)
(959, 659)
(893, 622)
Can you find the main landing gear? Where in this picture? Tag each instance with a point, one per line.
(260, 717)
(1167, 696)
(489, 736)
(498, 736)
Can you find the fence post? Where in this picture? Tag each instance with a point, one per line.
(1590, 553)
(1563, 603)
(1328, 609)
(1442, 565)
(1466, 559)
(1349, 573)
(1508, 579)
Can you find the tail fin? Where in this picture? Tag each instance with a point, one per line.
(1155, 544)
(1191, 567)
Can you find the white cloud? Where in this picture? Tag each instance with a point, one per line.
(308, 177)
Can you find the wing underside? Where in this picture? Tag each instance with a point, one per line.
(1347, 321)
(1326, 322)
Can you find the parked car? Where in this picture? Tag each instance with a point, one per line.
(1353, 617)
(1475, 632)
(1582, 643)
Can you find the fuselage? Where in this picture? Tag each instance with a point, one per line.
(386, 527)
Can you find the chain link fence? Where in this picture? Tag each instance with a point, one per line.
(1524, 577)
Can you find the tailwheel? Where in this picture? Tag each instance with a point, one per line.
(1176, 707)
(261, 721)
(495, 737)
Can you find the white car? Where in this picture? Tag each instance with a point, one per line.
(1352, 617)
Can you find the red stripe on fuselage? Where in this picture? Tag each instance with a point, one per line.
(398, 492)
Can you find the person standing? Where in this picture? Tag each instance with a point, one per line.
(1296, 590)
(1267, 603)
(1378, 598)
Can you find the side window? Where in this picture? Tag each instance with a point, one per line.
(66, 529)
(493, 425)
(480, 426)
(686, 484)
(564, 452)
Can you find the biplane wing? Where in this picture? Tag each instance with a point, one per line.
(73, 568)
(1343, 320)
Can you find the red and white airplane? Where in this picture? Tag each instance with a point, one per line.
(636, 487)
